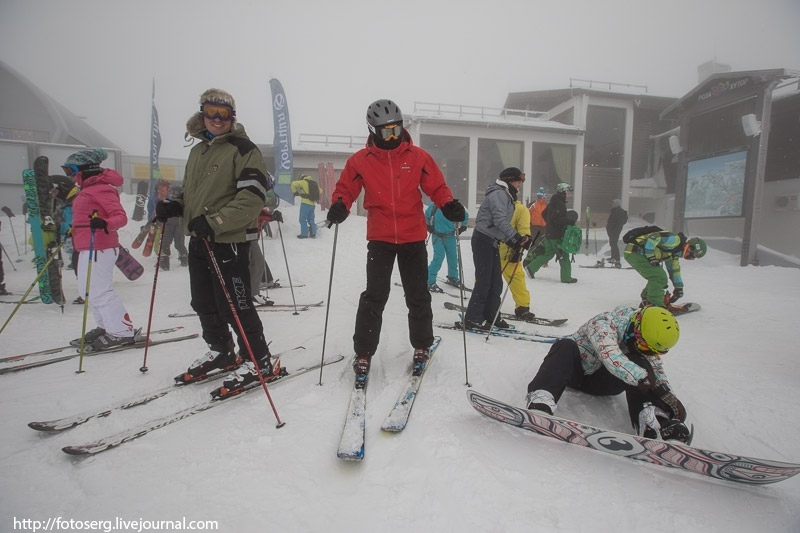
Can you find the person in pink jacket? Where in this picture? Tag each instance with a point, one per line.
(97, 215)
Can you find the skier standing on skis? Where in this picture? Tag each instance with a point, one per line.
(616, 220)
(224, 188)
(443, 240)
(493, 225)
(614, 352)
(97, 214)
(646, 253)
(392, 171)
(302, 187)
(555, 215)
(510, 263)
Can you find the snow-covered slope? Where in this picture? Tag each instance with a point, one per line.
(735, 369)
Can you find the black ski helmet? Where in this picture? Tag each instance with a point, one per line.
(382, 112)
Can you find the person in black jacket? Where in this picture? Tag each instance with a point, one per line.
(616, 220)
(555, 215)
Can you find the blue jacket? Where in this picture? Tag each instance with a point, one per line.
(441, 226)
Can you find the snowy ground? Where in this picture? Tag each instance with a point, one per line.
(453, 470)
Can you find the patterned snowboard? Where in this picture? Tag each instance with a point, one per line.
(719, 465)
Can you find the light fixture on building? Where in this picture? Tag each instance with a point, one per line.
(750, 125)
(675, 144)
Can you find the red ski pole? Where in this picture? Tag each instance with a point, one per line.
(144, 368)
(241, 331)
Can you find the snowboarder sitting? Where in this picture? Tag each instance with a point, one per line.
(614, 352)
(646, 251)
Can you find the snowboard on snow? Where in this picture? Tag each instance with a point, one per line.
(714, 464)
(689, 307)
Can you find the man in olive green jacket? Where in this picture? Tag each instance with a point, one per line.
(225, 185)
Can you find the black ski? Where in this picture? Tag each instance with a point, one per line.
(509, 316)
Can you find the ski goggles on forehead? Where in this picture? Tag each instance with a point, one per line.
(389, 131)
(641, 345)
(217, 111)
(69, 170)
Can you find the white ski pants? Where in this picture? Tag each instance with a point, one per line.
(107, 308)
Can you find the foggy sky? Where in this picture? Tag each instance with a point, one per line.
(98, 58)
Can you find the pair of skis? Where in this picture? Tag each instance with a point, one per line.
(269, 308)
(139, 343)
(352, 441)
(127, 435)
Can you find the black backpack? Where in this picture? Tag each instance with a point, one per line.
(313, 190)
(635, 233)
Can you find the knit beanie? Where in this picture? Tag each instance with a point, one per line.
(86, 159)
(510, 174)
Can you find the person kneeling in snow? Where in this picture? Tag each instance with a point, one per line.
(614, 352)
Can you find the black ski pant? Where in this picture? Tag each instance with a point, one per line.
(562, 368)
(173, 234)
(208, 299)
(412, 262)
(485, 299)
(613, 242)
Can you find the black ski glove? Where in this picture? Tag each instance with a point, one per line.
(337, 213)
(677, 294)
(200, 227)
(97, 223)
(454, 211)
(277, 216)
(168, 209)
(654, 261)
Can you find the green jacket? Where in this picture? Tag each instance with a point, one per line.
(225, 180)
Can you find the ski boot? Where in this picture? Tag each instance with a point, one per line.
(247, 374)
(541, 400)
(106, 341)
(434, 288)
(89, 336)
(421, 356)
(361, 365)
(221, 357)
(524, 313)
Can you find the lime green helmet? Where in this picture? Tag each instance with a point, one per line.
(695, 248)
(655, 330)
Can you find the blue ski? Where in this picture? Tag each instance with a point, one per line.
(398, 416)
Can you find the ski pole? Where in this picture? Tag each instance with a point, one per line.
(594, 228)
(86, 302)
(461, 295)
(35, 281)
(9, 259)
(10, 214)
(288, 272)
(241, 330)
(328, 306)
(144, 368)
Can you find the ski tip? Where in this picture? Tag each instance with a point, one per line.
(74, 450)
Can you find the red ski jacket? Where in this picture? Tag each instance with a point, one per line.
(393, 181)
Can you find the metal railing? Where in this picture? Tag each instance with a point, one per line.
(610, 85)
(467, 111)
(349, 141)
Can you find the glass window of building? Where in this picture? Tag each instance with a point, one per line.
(493, 156)
(452, 156)
(605, 131)
(552, 164)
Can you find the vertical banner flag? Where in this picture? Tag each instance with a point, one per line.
(155, 148)
(282, 143)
